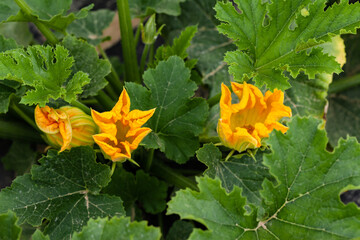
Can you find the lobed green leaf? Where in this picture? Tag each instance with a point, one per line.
(122, 228)
(45, 70)
(294, 207)
(64, 189)
(282, 36)
(87, 61)
(178, 118)
(240, 170)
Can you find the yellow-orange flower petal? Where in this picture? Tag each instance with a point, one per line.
(65, 127)
(242, 125)
(121, 131)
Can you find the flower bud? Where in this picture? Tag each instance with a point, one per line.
(65, 127)
(148, 32)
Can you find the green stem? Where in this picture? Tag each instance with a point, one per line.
(91, 101)
(143, 58)
(162, 171)
(18, 131)
(23, 115)
(214, 100)
(105, 100)
(137, 33)
(229, 155)
(151, 54)
(113, 166)
(49, 35)
(82, 106)
(114, 81)
(149, 160)
(127, 42)
(345, 83)
(110, 91)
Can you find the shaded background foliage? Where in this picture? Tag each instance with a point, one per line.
(342, 105)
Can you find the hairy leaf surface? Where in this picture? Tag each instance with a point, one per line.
(282, 36)
(122, 228)
(64, 189)
(45, 70)
(178, 118)
(303, 204)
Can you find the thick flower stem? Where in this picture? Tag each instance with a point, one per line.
(345, 83)
(17, 131)
(82, 106)
(127, 42)
(49, 35)
(113, 166)
(150, 159)
(171, 176)
(137, 33)
(114, 80)
(214, 100)
(229, 155)
(16, 108)
(105, 100)
(143, 58)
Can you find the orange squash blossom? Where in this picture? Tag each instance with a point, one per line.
(244, 124)
(120, 129)
(65, 127)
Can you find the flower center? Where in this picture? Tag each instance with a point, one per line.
(122, 127)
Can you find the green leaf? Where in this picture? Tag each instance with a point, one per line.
(179, 46)
(306, 175)
(9, 230)
(91, 28)
(51, 13)
(64, 189)
(221, 212)
(180, 230)
(46, 69)
(285, 40)
(308, 96)
(19, 31)
(7, 44)
(87, 60)
(208, 45)
(5, 93)
(19, 158)
(240, 170)
(38, 235)
(343, 115)
(121, 228)
(143, 8)
(178, 118)
(6, 88)
(150, 192)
